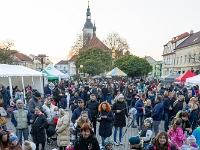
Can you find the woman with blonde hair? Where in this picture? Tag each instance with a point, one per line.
(179, 104)
(62, 129)
(28, 145)
(193, 109)
(105, 117)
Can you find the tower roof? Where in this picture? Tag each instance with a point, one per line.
(88, 24)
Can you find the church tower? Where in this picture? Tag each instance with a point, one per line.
(88, 27)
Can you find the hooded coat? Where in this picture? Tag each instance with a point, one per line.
(49, 110)
(62, 129)
(196, 134)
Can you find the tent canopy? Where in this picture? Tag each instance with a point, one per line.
(116, 72)
(53, 73)
(184, 76)
(195, 80)
(169, 78)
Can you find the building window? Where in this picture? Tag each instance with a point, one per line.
(181, 60)
(185, 58)
(177, 61)
(169, 61)
(189, 58)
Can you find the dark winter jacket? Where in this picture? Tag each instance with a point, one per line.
(82, 144)
(139, 105)
(147, 111)
(38, 128)
(33, 102)
(133, 102)
(104, 91)
(63, 102)
(157, 112)
(84, 93)
(93, 107)
(166, 104)
(77, 113)
(105, 127)
(119, 119)
(56, 95)
(74, 100)
(47, 90)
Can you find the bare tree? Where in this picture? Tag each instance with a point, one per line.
(118, 45)
(194, 58)
(6, 54)
(78, 44)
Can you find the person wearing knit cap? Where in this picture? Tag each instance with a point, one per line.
(135, 143)
(146, 132)
(196, 133)
(108, 144)
(191, 141)
(14, 143)
(20, 118)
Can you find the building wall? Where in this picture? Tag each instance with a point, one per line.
(157, 71)
(62, 67)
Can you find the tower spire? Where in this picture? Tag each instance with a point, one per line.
(94, 29)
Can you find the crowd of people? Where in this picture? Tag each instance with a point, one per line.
(75, 112)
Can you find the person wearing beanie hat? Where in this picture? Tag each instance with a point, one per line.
(34, 102)
(196, 133)
(146, 132)
(20, 118)
(108, 144)
(135, 143)
(14, 145)
(191, 141)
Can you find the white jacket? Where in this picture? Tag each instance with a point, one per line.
(3, 112)
(49, 111)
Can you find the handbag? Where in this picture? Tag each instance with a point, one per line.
(3, 120)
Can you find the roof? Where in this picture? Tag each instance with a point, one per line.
(191, 40)
(149, 59)
(88, 25)
(62, 62)
(22, 57)
(95, 42)
(184, 76)
(179, 37)
(73, 58)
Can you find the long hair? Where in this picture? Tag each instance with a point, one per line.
(108, 108)
(2, 133)
(176, 123)
(156, 141)
(80, 121)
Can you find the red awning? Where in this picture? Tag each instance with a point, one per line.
(184, 76)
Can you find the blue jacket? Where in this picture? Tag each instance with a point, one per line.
(105, 127)
(167, 104)
(77, 113)
(157, 112)
(196, 134)
(139, 105)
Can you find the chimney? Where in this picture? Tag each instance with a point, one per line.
(191, 32)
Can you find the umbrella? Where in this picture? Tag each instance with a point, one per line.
(116, 72)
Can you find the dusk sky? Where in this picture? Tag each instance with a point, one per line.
(51, 26)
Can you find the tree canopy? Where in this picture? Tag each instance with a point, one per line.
(132, 65)
(6, 55)
(93, 60)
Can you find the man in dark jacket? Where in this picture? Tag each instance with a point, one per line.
(105, 92)
(139, 105)
(167, 110)
(4, 95)
(63, 101)
(74, 101)
(77, 111)
(83, 95)
(157, 114)
(35, 102)
(92, 105)
(47, 90)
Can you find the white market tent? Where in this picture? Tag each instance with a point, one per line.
(53, 73)
(12, 75)
(193, 80)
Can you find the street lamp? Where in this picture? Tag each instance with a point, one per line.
(42, 56)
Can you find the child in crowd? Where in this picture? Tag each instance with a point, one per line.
(108, 144)
(146, 132)
(196, 133)
(14, 144)
(28, 145)
(176, 133)
(135, 143)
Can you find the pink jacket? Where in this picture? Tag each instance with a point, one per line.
(177, 136)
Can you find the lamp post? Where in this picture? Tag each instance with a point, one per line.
(42, 56)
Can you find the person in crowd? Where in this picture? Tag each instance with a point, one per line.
(47, 90)
(4, 95)
(8, 95)
(176, 133)
(120, 110)
(135, 143)
(147, 109)
(117, 96)
(179, 104)
(146, 132)
(28, 94)
(3, 114)
(14, 144)
(62, 129)
(4, 140)
(161, 142)
(49, 109)
(156, 114)
(92, 105)
(109, 95)
(86, 140)
(191, 144)
(104, 92)
(27, 145)
(139, 105)
(196, 133)
(151, 96)
(20, 118)
(56, 96)
(105, 117)
(35, 102)
(188, 97)
(68, 97)
(167, 108)
(108, 144)
(129, 95)
(83, 95)
(74, 101)
(39, 123)
(19, 95)
(63, 101)
(78, 111)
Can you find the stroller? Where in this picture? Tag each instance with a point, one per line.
(51, 131)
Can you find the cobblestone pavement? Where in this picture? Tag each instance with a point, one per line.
(130, 132)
